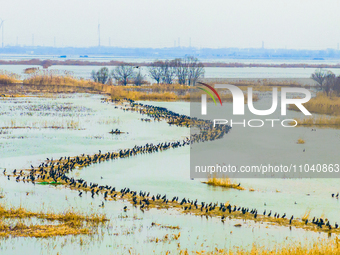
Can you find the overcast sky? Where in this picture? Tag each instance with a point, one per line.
(302, 24)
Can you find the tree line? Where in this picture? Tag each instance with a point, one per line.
(184, 71)
(327, 81)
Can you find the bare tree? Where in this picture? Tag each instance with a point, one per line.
(169, 72)
(187, 71)
(195, 70)
(101, 76)
(122, 73)
(329, 82)
(319, 76)
(156, 71)
(139, 79)
(181, 69)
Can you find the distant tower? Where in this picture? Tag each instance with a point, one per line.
(179, 45)
(17, 42)
(262, 44)
(98, 34)
(33, 40)
(55, 45)
(110, 41)
(190, 42)
(175, 44)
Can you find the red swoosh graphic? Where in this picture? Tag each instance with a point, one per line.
(212, 90)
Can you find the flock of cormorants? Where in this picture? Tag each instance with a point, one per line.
(55, 171)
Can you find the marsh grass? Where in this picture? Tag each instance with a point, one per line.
(321, 122)
(9, 78)
(321, 104)
(321, 247)
(224, 182)
(68, 223)
(306, 215)
(55, 81)
(160, 94)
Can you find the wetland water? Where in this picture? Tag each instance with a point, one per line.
(85, 121)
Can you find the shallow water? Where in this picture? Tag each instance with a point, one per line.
(164, 172)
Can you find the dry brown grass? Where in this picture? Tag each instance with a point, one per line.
(322, 247)
(320, 122)
(300, 141)
(162, 94)
(224, 182)
(41, 231)
(120, 92)
(69, 223)
(306, 215)
(321, 104)
(9, 78)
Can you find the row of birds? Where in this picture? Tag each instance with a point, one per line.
(57, 169)
(144, 200)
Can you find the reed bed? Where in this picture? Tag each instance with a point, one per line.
(56, 81)
(320, 122)
(322, 247)
(121, 92)
(69, 223)
(40, 231)
(224, 182)
(9, 78)
(321, 104)
(67, 216)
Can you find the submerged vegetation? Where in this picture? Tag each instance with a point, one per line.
(54, 124)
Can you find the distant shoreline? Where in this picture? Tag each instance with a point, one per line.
(115, 63)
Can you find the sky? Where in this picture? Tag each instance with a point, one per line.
(291, 24)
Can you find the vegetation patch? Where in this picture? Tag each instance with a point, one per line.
(223, 182)
(68, 223)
